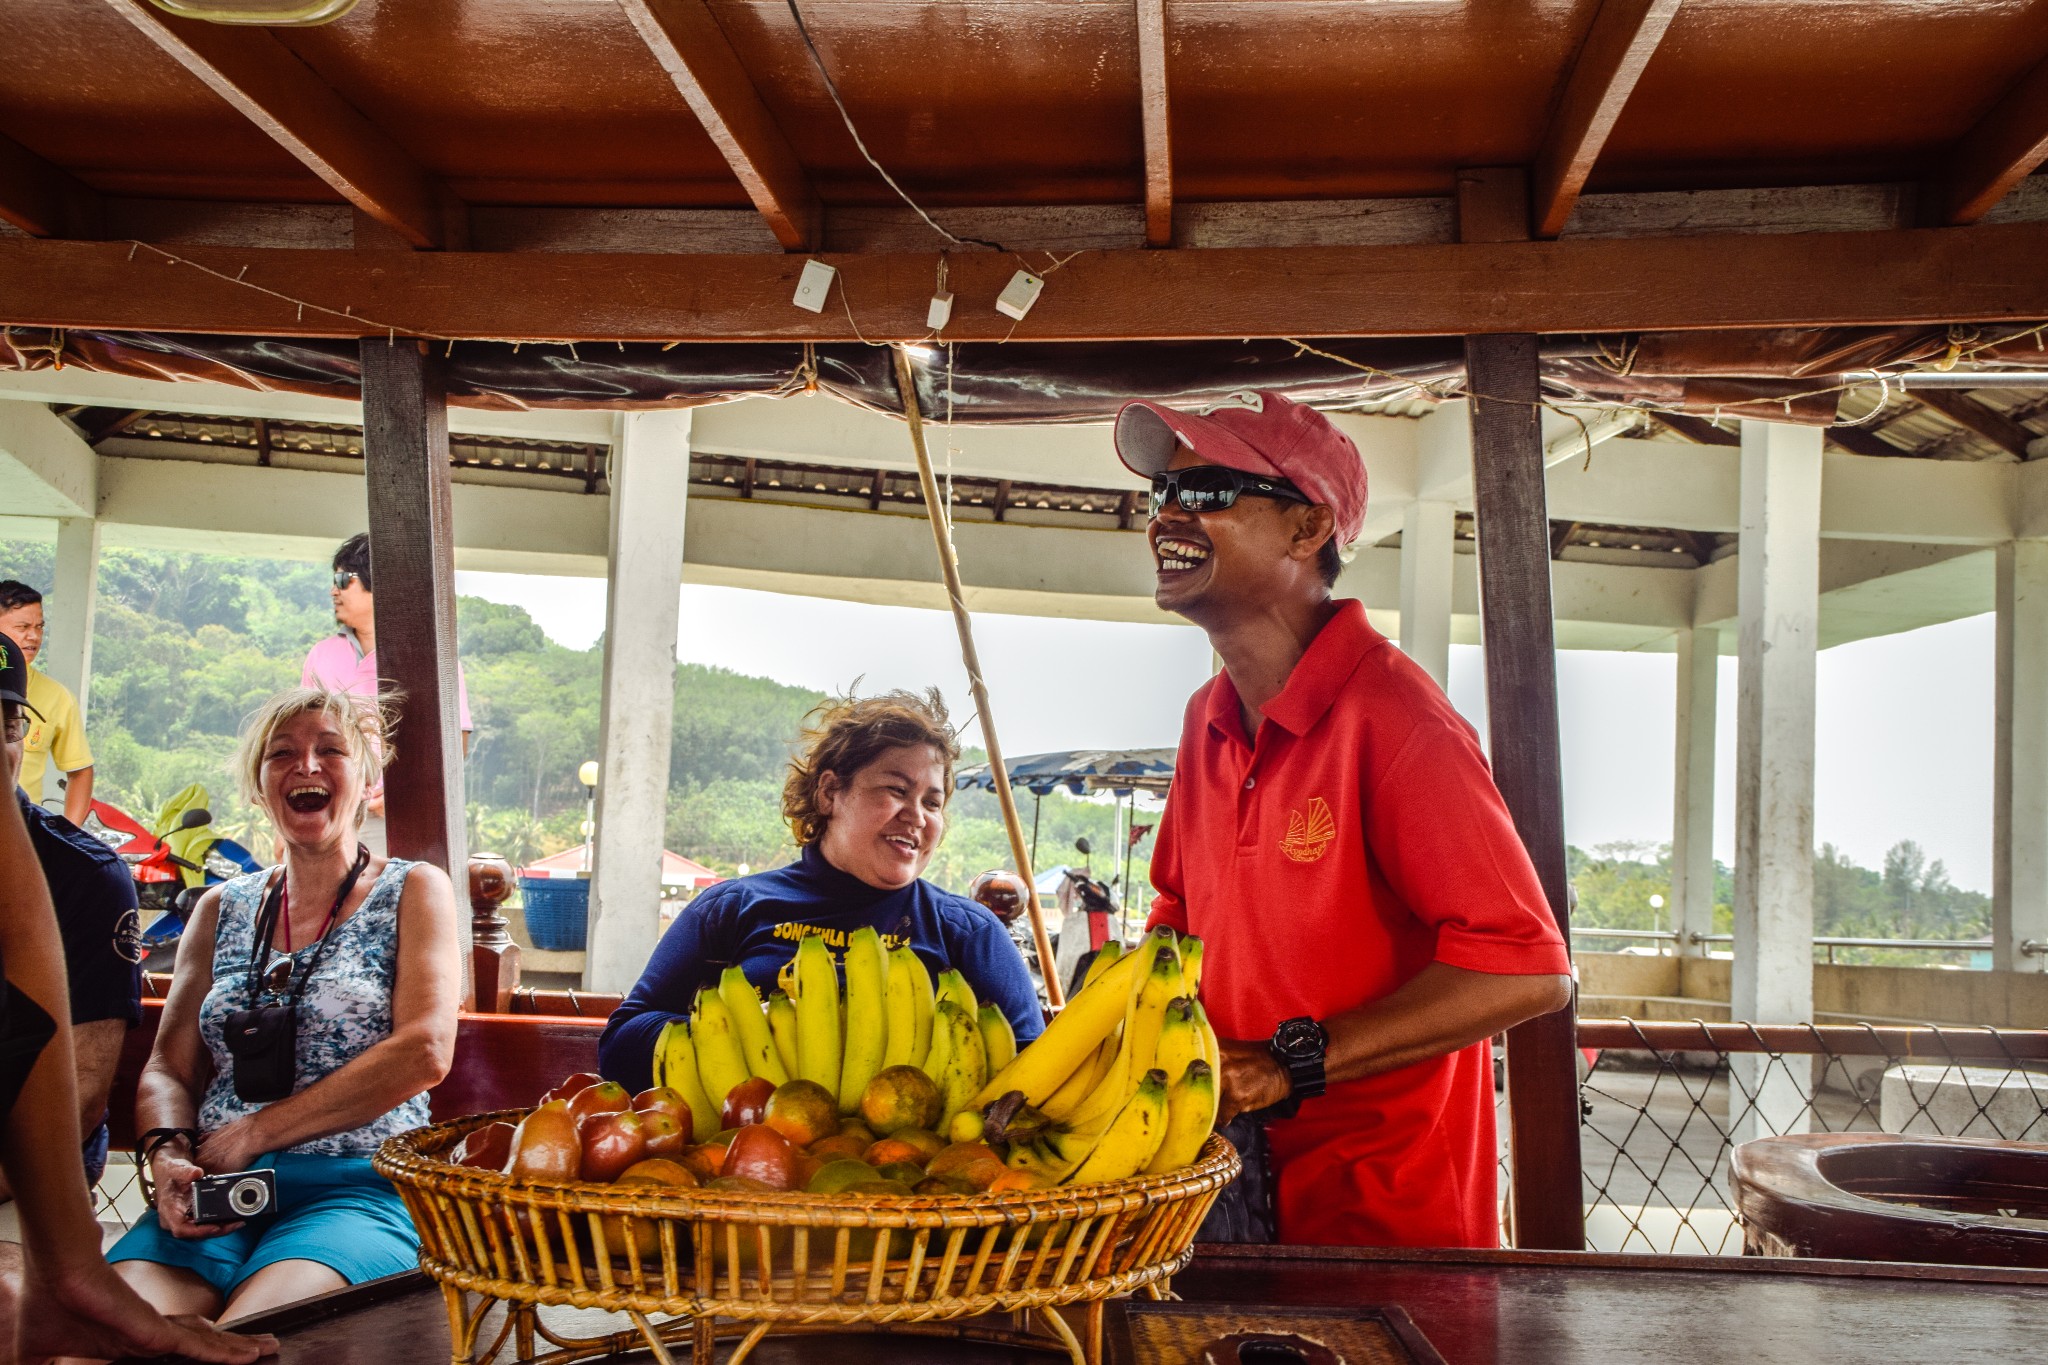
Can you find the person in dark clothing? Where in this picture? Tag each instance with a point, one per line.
(866, 800)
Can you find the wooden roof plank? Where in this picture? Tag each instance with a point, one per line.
(1861, 441)
(1995, 274)
(43, 199)
(268, 83)
(1158, 133)
(1618, 46)
(1698, 430)
(1971, 415)
(686, 39)
(2002, 150)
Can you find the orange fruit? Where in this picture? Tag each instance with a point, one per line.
(803, 1111)
(955, 1159)
(900, 1097)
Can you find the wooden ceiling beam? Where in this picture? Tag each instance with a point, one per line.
(1971, 415)
(1996, 274)
(1698, 430)
(2002, 150)
(265, 80)
(694, 51)
(1618, 46)
(1158, 132)
(1861, 441)
(43, 199)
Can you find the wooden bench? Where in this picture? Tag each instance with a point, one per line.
(502, 1061)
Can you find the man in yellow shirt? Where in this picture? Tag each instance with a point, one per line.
(56, 732)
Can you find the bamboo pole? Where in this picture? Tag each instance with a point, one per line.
(949, 563)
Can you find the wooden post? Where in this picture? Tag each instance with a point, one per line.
(412, 569)
(493, 956)
(1521, 698)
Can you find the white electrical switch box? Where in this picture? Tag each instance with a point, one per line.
(939, 313)
(814, 286)
(1019, 294)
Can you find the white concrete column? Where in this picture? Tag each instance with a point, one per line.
(2019, 820)
(69, 607)
(1692, 799)
(650, 484)
(1779, 611)
(1428, 560)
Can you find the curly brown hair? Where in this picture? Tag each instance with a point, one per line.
(844, 734)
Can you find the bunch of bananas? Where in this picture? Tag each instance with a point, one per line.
(1122, 1082)
(890, 1013)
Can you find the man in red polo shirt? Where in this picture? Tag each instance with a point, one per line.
(1334, 836)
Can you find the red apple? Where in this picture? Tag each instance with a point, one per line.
(665, 1100)
(747, 1102)
(570, 1088)
(611, 1143)
(488, 1147)
(606, 1097)
(666, 1134)
(758, 1152)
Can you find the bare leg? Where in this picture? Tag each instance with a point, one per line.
(278, 1284)
(10, 1289)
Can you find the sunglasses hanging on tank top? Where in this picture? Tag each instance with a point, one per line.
(264, 1039)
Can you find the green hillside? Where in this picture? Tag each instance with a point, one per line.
(185, 646)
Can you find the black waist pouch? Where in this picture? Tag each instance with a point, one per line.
(265, 1045)
(1245, 1211)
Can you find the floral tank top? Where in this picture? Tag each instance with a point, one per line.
(345, 1010)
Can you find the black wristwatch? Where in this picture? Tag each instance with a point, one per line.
(1298, 1045)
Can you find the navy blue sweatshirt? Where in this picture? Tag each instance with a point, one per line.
(757, 922)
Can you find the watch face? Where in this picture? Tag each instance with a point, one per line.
(1299, 1038)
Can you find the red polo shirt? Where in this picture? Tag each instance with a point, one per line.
(1358, 839)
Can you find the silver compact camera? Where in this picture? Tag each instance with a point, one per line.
(233, 1197)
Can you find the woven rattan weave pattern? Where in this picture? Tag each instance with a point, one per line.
(782, 1261)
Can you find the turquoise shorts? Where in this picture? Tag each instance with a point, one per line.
(331, 1209)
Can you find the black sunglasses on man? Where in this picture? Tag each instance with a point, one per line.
(1213, 487)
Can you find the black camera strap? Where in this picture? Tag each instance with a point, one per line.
(266, 930)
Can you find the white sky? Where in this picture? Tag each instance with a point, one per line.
(1903, 749)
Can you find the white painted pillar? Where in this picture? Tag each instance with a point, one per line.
(650, 484)
(69, 607)
(1778, 598)
(1428, 560)
(2019, 821)
(1692, 801)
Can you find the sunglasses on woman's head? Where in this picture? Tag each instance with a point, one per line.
(1213, 487)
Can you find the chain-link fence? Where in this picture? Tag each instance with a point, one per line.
(1663, 1105)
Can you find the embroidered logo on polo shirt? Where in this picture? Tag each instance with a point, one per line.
(1309, 832)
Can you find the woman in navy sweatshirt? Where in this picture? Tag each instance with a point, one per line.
(866, 800)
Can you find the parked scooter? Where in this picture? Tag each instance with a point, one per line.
(173, 862)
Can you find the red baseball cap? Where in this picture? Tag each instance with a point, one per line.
(1259, 432)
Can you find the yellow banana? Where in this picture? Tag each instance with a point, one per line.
(719, 1059)
(1062, 1103)
(817, 1014)
(1134, 1136)
(941, 1050)
(782, 1028)
(1161, 986)
(1210, 1051)
(997, 1037)
(966, 1069)
(1180, 1042)
(1074, 1033)
(867, 1015)
(675, 1066)
(1104, 960)
(910, 1009)
(1191, 963)
(751, 1025)
(1190, 1116)
(785, 978)
(1055, 1154)
(953, 986)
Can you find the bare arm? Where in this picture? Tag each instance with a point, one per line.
(78, 795)
(415, 1056)
(1439, 1011)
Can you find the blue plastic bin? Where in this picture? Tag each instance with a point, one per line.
(557, 912)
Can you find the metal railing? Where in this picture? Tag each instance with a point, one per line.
(1673, 937)
(1663, 1105)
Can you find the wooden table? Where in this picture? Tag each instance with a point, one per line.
(1477, 1308)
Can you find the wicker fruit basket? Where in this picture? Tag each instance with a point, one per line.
(706, 1261)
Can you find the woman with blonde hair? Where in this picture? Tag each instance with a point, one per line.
(866, 799)
(313, 1007)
